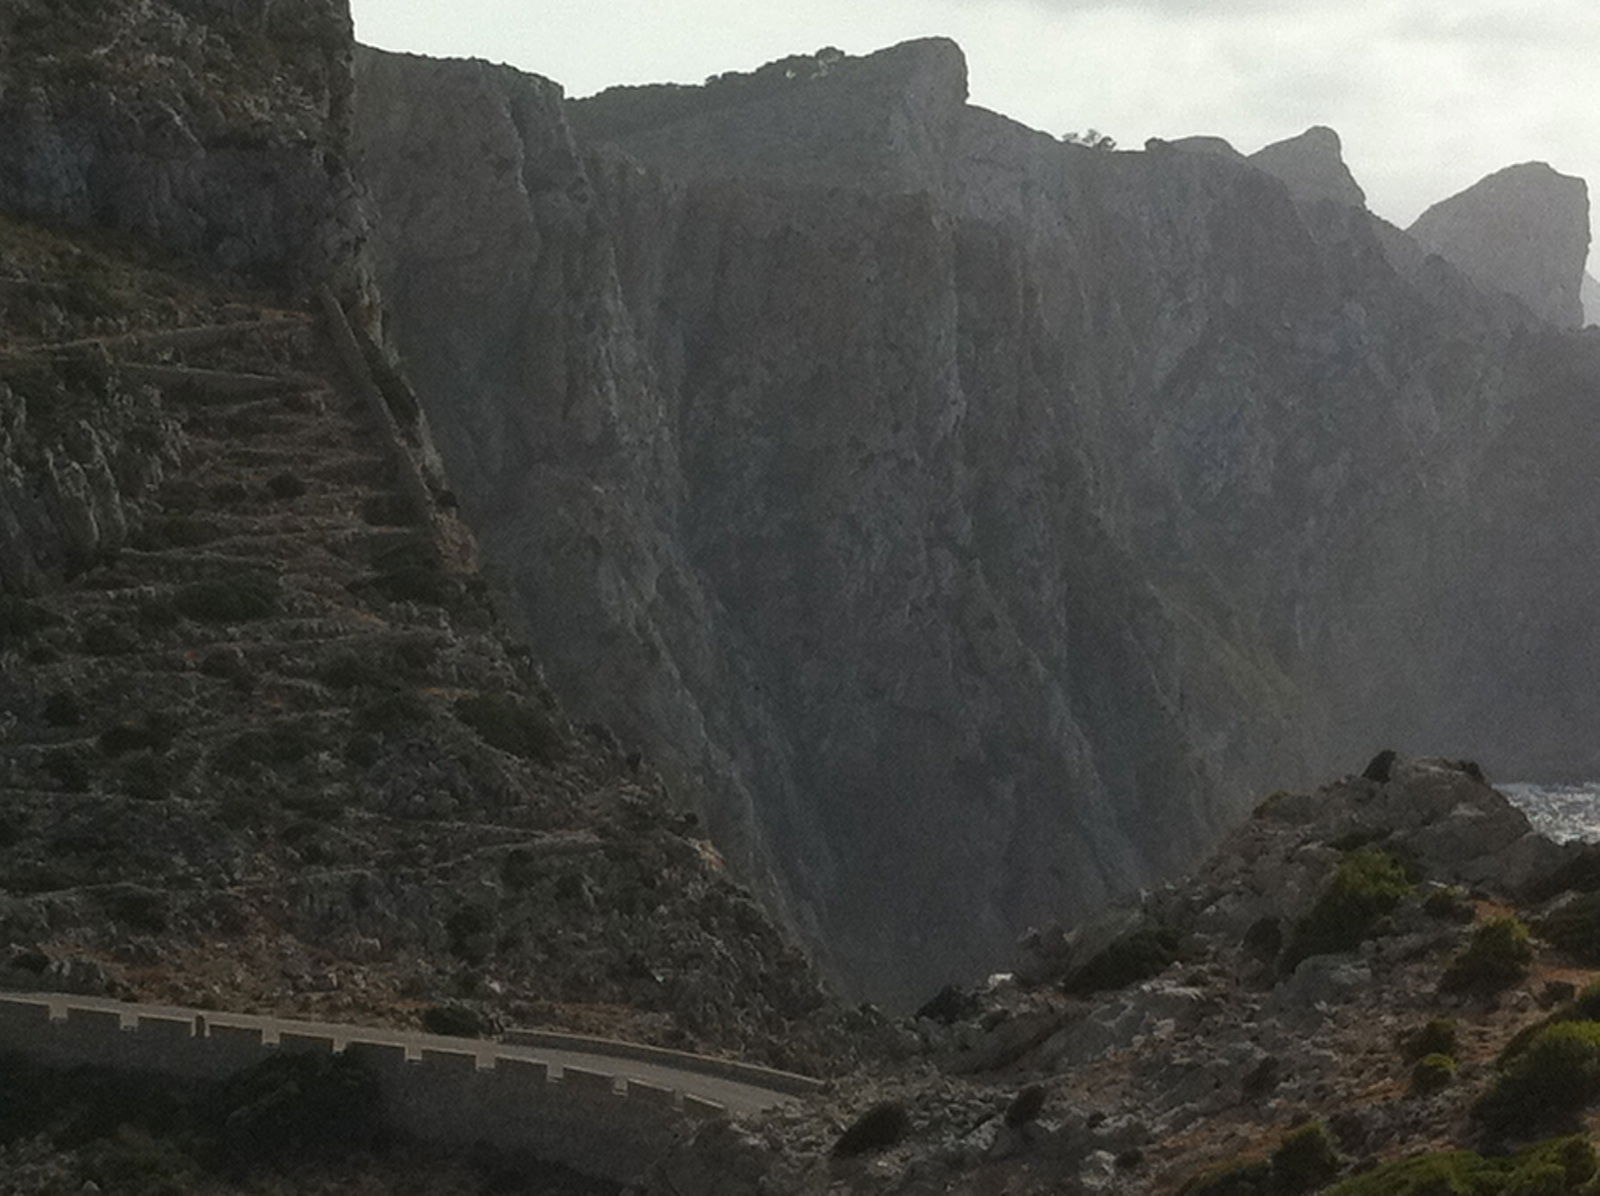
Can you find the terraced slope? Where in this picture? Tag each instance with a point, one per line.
(271, 748)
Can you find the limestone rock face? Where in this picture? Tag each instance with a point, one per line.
(214, 127)
(970, 524)
(1523, 230)
(1312, 167)
(1591, 299)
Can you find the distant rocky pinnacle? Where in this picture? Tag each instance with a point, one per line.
(1312, 167)
(1523, 230)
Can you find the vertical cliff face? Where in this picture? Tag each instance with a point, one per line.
(974, 520)
(214, 127)
(1523, 230)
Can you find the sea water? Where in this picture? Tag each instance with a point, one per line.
(1564, 812)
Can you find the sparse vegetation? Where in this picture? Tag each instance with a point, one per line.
(1448, 904)
(20, 619)
(1440, 1036)
(1366, 885)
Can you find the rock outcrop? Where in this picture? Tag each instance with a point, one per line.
(974, 520)
(1591, 299)
(1523, 230)
(1312, 166)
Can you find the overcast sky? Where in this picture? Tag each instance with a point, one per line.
(1428, 95)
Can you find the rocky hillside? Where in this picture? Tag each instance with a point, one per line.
(270, 747)
(974, 520)
(1385, 987)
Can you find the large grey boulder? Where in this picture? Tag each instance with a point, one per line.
(1523, 230)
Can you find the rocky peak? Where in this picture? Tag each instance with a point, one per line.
(1523, 230)
(885, 120)
(1312, 167)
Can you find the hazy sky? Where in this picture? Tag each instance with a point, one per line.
(1428, 95)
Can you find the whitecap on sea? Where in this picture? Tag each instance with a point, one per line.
(1564, 812)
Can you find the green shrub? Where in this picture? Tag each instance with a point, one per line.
(1575, 928)
(1449, 905)
(420, 584)
(1135, 956)
(1498, 955)
(389, 510)
(230, 600)
(1433, 1073)
(1439, 1036)
(1561, 1167)
(174, 531)
(1305, 1160)
(1367, 885)
(458, 1021)
(1553, 1077)
(503, 722)
(1585, 1007)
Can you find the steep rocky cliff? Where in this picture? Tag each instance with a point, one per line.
(1523, 230)
(1312, 167)
(974, 519)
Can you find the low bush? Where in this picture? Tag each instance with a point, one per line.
(1575, 928)
(280, 746)
(155, 732)
(1439, 1036)
(513, 726)
(241, 599)
(1551, 1078)
(1584, 1007)
(1498, 955)
(458, 1021)
(1433, 1073)
(394, 713)
(1366, 885)
(1135, 956)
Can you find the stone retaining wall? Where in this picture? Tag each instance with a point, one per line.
(600, 1124)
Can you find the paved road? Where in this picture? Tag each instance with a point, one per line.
(737, 1096)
